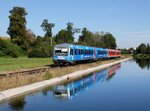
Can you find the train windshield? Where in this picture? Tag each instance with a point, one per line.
(61, 51)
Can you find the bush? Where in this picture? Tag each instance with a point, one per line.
(10, 49)
(1, 53)
(41, 51)
(35, 52)
(41, 48)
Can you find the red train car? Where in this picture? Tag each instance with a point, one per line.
(113, 53)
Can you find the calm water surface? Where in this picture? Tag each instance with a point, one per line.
(122, 87)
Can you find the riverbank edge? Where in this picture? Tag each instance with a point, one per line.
(142, 56)
(12, 93)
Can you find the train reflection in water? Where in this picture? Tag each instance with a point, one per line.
(71, 89)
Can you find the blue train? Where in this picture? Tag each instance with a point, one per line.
(72, 89)
(69, 53)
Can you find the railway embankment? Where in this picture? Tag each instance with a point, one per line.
(14, 92)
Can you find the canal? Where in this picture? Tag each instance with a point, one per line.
(122, 87)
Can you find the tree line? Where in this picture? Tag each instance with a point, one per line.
(142, 52)
(42, 46)
(143, 49)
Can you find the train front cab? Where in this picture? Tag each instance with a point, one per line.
(66, 53)
(63, 53)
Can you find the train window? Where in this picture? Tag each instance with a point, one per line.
(57, 51)
(75, 51)
(71, 51)
(79, 52)
(71, 92)
(84, 51)
(61, 51)
(75, 89)
(87, 52)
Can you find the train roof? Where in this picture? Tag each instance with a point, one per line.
(81, 46)
(63, 45)
(114, 50)
(72, 45)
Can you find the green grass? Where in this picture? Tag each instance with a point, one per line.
(14, 64)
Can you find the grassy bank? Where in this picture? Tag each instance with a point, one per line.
(21, 80)
(142, 56)
(15, 64)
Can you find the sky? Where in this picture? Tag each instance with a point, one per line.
(127, 20)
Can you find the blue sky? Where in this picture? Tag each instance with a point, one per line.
(127, 20)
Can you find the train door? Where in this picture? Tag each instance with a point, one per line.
(76, 52)
(94, 54)
(71, 54)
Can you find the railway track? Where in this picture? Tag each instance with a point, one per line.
(27, 72)
(33, 71)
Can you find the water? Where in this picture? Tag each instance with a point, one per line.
(123, 87)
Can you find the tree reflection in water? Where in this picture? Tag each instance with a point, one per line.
(17, 103)
(143, 63)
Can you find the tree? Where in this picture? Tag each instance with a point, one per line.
(47, 28)
(148, 49)
(70, 32)
(39, 41)
(65, 35)
(141, 48)
(30, 38)
(109, 41)
(17, 26)
(61, 37)
(86, 38)
(83, 36)
(104, 40)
